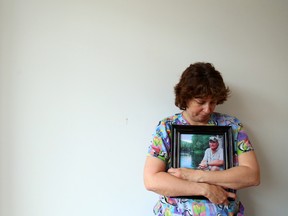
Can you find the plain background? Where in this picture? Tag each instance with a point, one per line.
(84, 83)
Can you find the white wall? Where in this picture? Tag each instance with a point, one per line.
(84, 83)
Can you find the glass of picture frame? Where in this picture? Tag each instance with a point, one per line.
(194, 147)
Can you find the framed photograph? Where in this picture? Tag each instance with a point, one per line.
(208, 148)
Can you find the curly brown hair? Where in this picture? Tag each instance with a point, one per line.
(200, 80)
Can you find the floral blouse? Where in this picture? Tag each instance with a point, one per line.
(161, 148)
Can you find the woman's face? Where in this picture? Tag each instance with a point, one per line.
(199, 110)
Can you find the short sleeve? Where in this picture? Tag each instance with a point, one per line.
(160, 144)
(243, 142)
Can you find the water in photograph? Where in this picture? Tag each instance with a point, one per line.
(186, 161)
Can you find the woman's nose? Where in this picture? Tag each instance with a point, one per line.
(208, 108)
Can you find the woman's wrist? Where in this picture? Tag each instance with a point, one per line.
(205, 189)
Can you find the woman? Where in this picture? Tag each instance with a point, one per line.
(199, 90)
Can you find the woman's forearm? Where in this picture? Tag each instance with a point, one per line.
(245, 175)
(234, 178)
(168, 185)
(156, 179)
(171, 186)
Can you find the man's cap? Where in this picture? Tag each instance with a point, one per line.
(213, 139)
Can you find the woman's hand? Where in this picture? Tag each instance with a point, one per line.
(218, 195)
(214, 193)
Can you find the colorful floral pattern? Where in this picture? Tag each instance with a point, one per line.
(160, 147)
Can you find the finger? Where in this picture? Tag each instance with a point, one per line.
(171, 170)
(226, 203)
(223, 199)
(231, 195)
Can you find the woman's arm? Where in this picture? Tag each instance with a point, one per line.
(161, 182)
(245, 175)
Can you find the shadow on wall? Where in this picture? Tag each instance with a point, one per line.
(252, 108)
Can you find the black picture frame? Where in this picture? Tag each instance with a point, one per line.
(189, 143)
